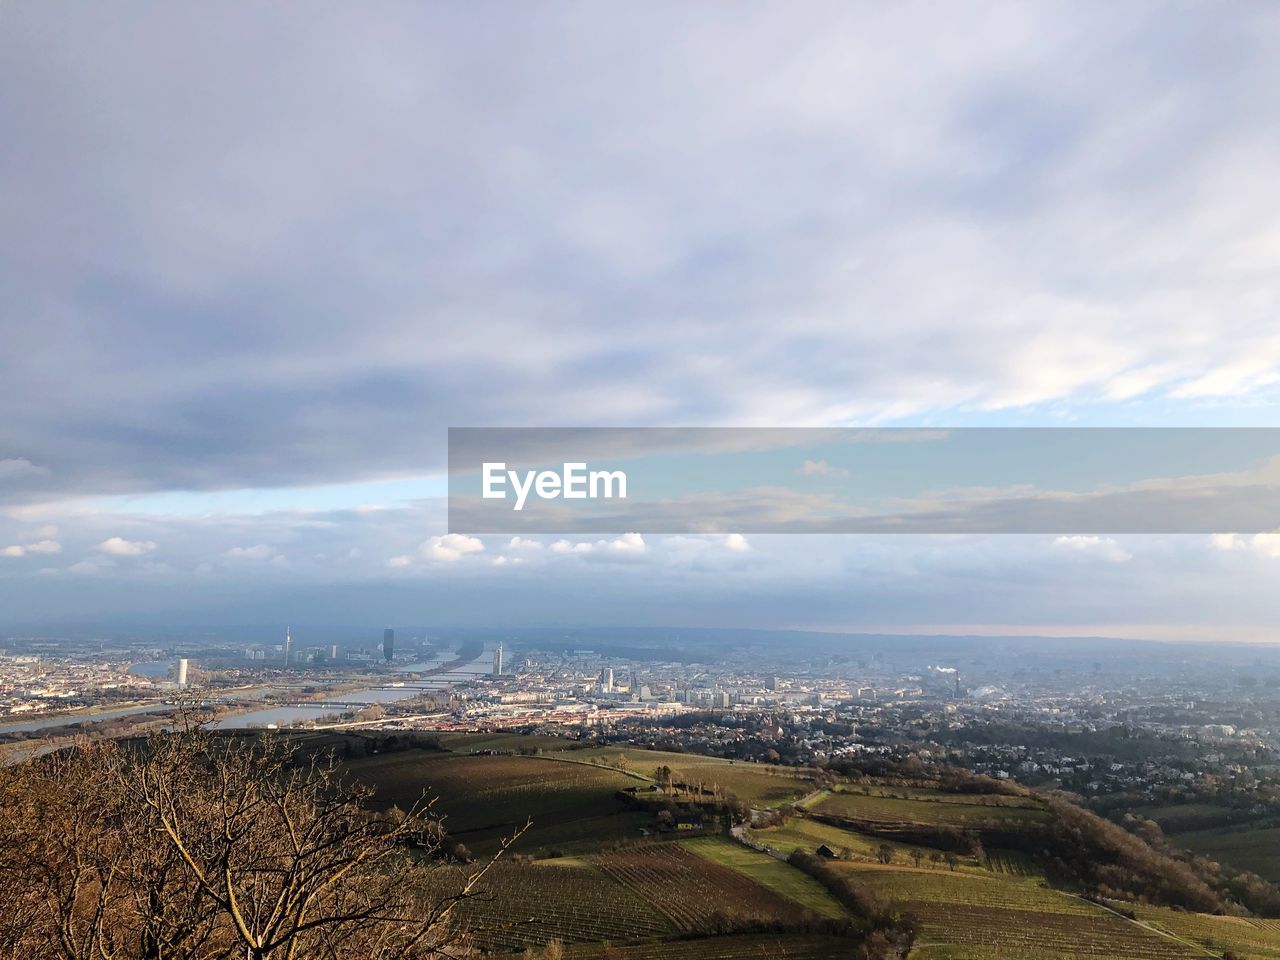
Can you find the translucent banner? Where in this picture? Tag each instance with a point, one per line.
(973, 480)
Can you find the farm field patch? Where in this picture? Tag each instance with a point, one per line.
(768, 872)
(972, 916)
(807, 835)
(501, 742)
(758, 784)
(1249, 938)
(1245, 848)
(692, 890)
(530, 904)
(484, 798)
(895, 811)
(941, 796)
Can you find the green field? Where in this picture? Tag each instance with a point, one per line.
(758, 784)
(768, 872)
(484, 798)
(1254, 939)
(941, 796)
(972, 916)
(1245, 848)
(531, 904)
(892, 812)
(512, 742)
(653, 899)
(808, 835)
(696, 891)
(1014, 863)
(1181, 817)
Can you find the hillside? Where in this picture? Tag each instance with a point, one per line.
(977, 874)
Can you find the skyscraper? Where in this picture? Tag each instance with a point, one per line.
(182, 673)
(388, 644)
(497, 660)
(288, 642)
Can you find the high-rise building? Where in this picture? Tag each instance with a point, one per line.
(288, 642)
(606, 680)
(497, 660)
(181, 672)
(388, 644)
(333, 651)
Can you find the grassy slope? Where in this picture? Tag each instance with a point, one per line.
(808, 835)
(951, 812)
(757, 784)
(769, 872)
(1254, 939)
(484, 798)
(1255, 849)
(971, 914)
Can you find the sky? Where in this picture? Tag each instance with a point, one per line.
(255, 259)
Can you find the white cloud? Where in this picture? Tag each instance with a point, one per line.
(259, 551)
(451, 547)
(737, 543)
(523, 545)
(38, 547)
(402, 560)
(1262, 544)
(986, 172)
(120, 547)
(1224, 541)
(1105, 548)
(820, 468)
(628, 545)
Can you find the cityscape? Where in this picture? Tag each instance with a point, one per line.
(1145, 722)
(639, 481)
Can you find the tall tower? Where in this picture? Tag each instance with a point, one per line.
(182, 673)
(288, 642)
(388, 644)
(497, 660)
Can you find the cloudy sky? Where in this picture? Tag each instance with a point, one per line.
(256, 259)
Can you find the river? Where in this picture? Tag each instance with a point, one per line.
(285, 716)
(282, 716)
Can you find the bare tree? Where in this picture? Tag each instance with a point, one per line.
(194, 846)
